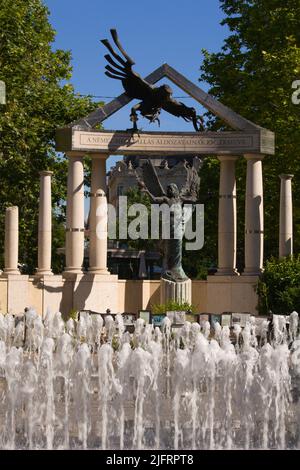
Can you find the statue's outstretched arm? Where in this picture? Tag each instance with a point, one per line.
(155, 199)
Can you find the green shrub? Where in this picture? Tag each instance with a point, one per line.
(171, 305)
(279, 286)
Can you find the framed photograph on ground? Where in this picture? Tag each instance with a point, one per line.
(171, 316)
(215, 318)
(203, 317)
(240, 318)
(191, 317)
(179, 318)
(145, 315)
(128, 319)
(157, 320)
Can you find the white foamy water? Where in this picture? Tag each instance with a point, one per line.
(91, 384)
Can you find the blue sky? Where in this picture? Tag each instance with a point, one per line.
(152, 32)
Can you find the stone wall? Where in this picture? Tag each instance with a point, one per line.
(215, 295)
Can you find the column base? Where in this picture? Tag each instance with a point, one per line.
(71, 272)
(252, 271)
(9, 272)
(43, 272)
(227, 272)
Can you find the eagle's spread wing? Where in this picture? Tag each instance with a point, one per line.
(121, 69)
(179, 109)
(148, 176)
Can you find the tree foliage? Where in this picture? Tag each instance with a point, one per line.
(39, 99)
(253, 74)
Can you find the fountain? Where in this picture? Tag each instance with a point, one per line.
(88, 385)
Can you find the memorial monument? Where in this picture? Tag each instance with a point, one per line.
(175, 284)
(96, 289)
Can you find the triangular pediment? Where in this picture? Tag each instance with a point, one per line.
(227, 115)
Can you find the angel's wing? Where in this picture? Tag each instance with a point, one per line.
(148, 176)
(192, 185)
(121, 69)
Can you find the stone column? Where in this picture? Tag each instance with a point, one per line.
(11, 240)
(75, 216)
(227, 217)
(254, 216)
(286, 217)
(98, 217)
(45, 225)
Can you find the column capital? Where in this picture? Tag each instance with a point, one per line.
(76, 154)
(102, 156)
(46, 173)
(254, 156)
(286, 177)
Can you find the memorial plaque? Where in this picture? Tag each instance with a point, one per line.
(191, 318)
(226, 319)
(128, 319)
(241, 318)
(215, 318)
(158, 143)
(203, 317)
(179, 318)
(171, 316)
(157, 320)
(176, 317)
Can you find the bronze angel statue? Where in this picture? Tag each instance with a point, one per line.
(175, 199)
(154, 99)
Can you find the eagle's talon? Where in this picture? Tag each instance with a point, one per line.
(134, 130)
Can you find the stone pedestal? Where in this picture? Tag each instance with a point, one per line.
(178, 291)
(286, 217)
(96, 292)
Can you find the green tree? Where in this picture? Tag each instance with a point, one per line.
(279, 287)
(39, 99)
(253, 74)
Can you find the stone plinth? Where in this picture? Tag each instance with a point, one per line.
(178, 291)
(96, 292)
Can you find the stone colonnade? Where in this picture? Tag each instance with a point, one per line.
(75, 229)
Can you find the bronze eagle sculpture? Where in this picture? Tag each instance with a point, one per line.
(154, 99)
